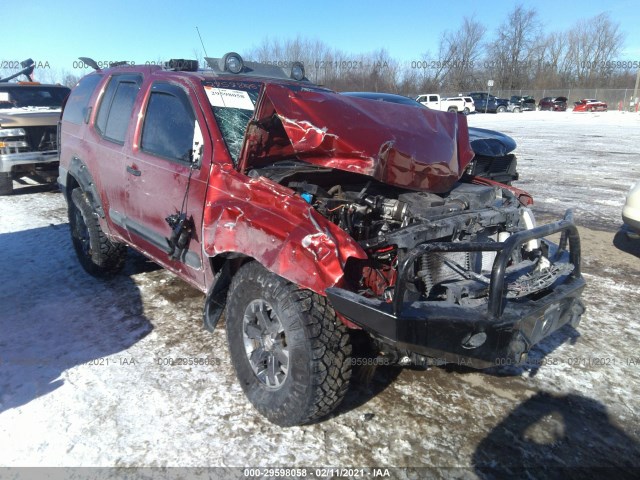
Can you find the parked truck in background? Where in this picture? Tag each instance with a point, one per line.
(29, 114)
(447, 104)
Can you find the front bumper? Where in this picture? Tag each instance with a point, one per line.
(500, 332)
(631, 218)
(10, 160)
(631, 209)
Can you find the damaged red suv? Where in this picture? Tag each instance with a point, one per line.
(314, 221)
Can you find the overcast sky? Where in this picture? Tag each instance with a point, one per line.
(59, 32)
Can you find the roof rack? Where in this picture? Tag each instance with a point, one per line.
(232, 63)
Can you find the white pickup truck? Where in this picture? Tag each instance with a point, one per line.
(451, 104)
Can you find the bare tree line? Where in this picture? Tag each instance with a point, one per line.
(518, 55)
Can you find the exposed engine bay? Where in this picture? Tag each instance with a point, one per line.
(389, 222)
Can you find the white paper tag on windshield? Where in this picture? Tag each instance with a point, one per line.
(4, 96)
(223, 97)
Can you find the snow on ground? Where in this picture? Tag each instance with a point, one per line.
(85, 365)
(587, 161)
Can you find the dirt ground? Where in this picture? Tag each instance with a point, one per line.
(87, 378)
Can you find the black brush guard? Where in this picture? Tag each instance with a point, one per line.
(498, 333)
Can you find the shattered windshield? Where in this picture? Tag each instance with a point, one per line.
(233, 104)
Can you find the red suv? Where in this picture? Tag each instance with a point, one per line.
(314, 221)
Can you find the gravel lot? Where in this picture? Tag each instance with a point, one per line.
(86, 379)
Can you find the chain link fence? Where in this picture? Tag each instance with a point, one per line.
(616, 98)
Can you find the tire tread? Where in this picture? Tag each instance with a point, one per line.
(328, 341)
(107, 257)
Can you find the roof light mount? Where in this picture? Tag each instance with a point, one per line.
(232, 63)
(297, 71)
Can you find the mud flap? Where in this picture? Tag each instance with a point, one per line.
(216, 298)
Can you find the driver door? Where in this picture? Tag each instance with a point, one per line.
(167, 174)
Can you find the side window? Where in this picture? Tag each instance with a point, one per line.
(433, 98)
(169, 124)
(76, 107)
(116, 106)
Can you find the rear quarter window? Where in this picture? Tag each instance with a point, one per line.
(76, 108)
(116, 107)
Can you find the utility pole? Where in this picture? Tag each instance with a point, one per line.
(635, 90)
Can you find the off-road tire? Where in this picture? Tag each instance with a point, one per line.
(318, 345)
(98, 255)
(6, 184)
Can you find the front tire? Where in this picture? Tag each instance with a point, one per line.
(291, 354)
(98, 255)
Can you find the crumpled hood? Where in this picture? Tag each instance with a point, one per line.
(400, 145)
(490, 143)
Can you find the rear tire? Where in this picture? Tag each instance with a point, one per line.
(501, 109)
(6, 184)
(98, 255)
(465, 111)
(290, 352)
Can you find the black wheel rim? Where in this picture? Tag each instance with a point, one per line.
(80, 233)
(265, 344)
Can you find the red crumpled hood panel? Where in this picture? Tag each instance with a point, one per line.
(405, 146)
